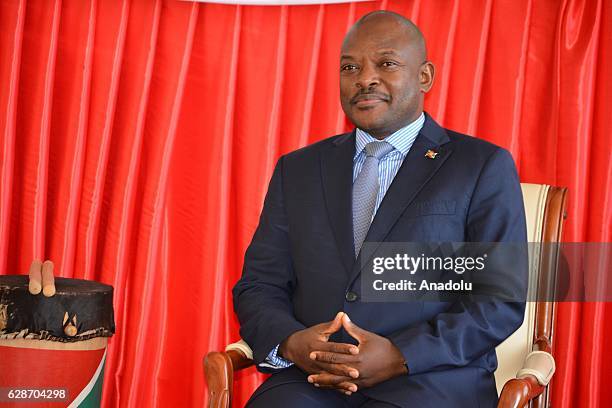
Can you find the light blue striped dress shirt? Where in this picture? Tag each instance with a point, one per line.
(388, 166)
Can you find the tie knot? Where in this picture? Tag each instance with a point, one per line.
(378, 149)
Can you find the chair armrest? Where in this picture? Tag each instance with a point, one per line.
(240, 354)
(219, 370)
(219, 375)
(519, 391)
(531, 380)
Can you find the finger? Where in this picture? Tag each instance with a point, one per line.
(333, 347)
(48, 281)
(339, 369)
(351, 328)
(334, 358)
(347, 387)
(327, 380)
(335, 325)
(35, 277)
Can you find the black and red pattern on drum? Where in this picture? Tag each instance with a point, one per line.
(36, 316)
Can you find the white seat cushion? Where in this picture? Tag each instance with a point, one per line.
(512, 352)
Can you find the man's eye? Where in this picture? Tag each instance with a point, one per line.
(388, 64)
(348, 67)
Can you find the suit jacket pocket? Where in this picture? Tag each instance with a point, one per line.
(431, 207)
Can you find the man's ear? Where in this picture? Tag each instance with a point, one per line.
(427, 73)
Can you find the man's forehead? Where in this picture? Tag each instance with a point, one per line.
(376, 35)
(382, 51)
(380, 33)
(381, 43)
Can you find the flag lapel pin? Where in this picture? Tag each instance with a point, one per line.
(431, 154)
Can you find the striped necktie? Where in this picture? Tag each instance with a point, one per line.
(365, 190)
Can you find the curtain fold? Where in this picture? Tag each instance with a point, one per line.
(110, 36)
(137, 139)
(10, 52)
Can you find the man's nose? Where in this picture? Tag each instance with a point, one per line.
(368, 77)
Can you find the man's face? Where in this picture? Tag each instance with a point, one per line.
(382, 76)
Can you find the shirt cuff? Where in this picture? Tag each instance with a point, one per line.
(274, 361)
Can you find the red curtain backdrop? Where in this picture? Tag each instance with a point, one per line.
(137, 139)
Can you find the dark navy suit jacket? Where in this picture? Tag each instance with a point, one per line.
(300, 265)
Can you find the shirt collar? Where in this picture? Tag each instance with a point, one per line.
(401, 140)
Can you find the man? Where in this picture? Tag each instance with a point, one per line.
(398, 178)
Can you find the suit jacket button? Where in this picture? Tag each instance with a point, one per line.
(351, 296)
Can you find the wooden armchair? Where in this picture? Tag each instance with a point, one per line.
(526, 364)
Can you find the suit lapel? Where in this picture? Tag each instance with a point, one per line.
(337, 179)
(413, 175)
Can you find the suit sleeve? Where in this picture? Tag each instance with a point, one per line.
(469, 329)
(262, 296)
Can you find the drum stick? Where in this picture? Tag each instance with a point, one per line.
(71, 329)
(35, 284)
(48, 282)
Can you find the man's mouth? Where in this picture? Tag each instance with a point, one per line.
(366, 100)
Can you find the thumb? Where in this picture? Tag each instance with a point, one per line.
(351, 328)
(334, 325)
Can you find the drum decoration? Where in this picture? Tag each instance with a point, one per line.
(53, 339)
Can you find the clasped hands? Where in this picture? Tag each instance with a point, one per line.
(342, 366)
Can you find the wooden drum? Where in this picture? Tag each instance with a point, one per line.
(53, 349)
